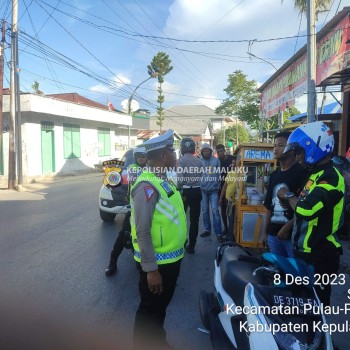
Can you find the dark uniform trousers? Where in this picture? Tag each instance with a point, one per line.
(192, 199)
(119, 243)
(149, 332)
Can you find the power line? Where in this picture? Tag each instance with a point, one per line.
(83, 46)
(49, 66)
(7, 5)
(220, 19)
(296, 41)
(182, 40)
(176, 48)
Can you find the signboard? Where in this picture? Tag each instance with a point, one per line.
(258, 154)
(333, 55)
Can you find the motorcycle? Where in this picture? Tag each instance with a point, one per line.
(266, 302)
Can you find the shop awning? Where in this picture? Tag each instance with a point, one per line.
(331, 108)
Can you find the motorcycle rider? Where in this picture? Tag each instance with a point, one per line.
(140, 158)
(319, 208)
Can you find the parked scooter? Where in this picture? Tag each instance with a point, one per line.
(257, 304)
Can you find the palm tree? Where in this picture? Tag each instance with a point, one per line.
(159, 67)
(301, 5)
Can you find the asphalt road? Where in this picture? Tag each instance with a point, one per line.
(54, 249)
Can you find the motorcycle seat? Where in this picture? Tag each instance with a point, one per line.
(236, 274)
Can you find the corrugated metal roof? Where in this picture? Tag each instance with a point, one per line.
(186, 119)
(331, 108)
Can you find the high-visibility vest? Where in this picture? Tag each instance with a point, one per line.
(168, 229)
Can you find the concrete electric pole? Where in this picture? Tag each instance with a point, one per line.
(311, 61)
(15, 135)
(2, 54)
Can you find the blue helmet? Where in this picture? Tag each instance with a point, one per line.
(316, 139)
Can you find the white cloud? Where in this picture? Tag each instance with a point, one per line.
(200, 75)
(121, 79)
(101, 88)
(118, 81)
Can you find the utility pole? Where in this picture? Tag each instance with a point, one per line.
(2, 54)
(18, 119)
(15, 146)
(12, 148)
(311, 61)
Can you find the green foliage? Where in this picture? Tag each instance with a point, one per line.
(35, 87)
(231, 135)
(243, 99)
(320, 5)
(272, 123)
(159, 67)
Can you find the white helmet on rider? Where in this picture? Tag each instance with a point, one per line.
(316, 139)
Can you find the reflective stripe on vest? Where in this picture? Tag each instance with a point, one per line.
(163, 256)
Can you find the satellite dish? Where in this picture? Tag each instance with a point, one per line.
(134, 106)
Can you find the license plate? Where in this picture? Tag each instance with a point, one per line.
(289, 301)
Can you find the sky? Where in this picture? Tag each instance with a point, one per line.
(101, 48)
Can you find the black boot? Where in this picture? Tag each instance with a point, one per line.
(111, 269)
(189, 248)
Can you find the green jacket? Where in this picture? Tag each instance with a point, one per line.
(319, 213)
(168, 229)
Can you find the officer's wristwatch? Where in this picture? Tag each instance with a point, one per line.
(289, 195)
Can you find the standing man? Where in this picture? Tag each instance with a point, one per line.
(226, 166)
(319, 209)
(189, 180)
(158, 227)
(134, 170)
(229, 193)
(210, 185)
(289, 174)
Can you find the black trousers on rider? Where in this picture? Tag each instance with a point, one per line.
(326, 264)
(192, 198)
(119, 243)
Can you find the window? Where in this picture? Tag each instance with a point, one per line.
(71, 141)
(104, 140)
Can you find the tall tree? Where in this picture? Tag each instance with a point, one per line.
(243, 99)
(301, 5)
(236, 134)
(159, 67)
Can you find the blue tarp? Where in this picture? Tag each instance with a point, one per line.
(334, 107)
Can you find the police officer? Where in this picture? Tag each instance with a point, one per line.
(319, 208)
(158, 226)
(140, 158)
(188, 180)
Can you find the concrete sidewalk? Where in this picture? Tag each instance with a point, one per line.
(43, 182)
(31, 191)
